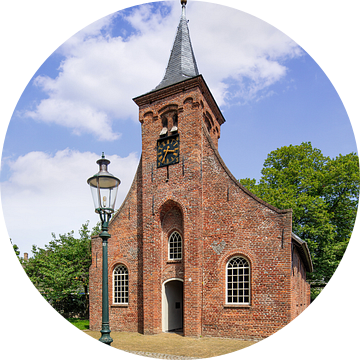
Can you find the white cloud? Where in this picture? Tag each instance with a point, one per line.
(49, 193)
(232, 47)
(240, 57)
(78, 117)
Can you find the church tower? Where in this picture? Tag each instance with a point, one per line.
(172, 118)
(191, 248)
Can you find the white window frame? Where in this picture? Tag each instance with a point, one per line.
(172, 255)
(121, 285)
(238, 281)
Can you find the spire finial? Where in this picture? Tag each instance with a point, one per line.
(183, 9)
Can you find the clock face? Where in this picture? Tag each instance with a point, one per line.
(168, 151)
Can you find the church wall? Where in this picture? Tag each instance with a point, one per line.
(237, 224)
(300, 289)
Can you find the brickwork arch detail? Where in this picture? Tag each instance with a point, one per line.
(228, 255)
(118, 262)
(167, 205)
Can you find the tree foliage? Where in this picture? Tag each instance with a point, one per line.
(323, 194)
(16, 249)
(60, 271)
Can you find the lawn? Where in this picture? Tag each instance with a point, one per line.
(81, 324)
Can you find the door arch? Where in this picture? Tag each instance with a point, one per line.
(172, 305)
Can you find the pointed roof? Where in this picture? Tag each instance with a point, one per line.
(182, 63)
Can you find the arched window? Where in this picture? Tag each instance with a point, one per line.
(238, 281)
(121, 285)
(175, 246)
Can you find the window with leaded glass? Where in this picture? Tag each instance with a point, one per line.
(121, 285)
(175, 246)
(238, 281)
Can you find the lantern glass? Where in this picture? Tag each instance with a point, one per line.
(104, 187)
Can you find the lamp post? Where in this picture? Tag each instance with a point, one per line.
(104, 188)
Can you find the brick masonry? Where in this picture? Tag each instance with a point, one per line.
(217, 218)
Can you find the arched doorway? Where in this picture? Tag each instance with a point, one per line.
(172, 305)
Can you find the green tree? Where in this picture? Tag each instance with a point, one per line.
(16, 249)
(60, 271)
(323, 194)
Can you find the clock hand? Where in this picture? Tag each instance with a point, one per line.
(166, 151)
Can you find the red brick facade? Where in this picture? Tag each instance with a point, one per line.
(217, 219)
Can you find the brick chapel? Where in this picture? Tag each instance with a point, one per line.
(191, 249)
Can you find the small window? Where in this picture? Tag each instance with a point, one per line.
(175, 246)
(238, 281)
(121, 285)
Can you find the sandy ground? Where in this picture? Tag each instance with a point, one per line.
(173, 345)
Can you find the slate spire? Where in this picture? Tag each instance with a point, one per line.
(182, 63)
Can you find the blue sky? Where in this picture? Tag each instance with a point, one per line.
(79, 103)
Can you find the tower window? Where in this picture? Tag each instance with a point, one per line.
(175, 246)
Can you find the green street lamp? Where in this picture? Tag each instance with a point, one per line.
(104, 187)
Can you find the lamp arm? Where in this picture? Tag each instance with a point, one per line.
(105, 219)
(101, 217)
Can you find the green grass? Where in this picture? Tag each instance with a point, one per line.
(81, 324)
